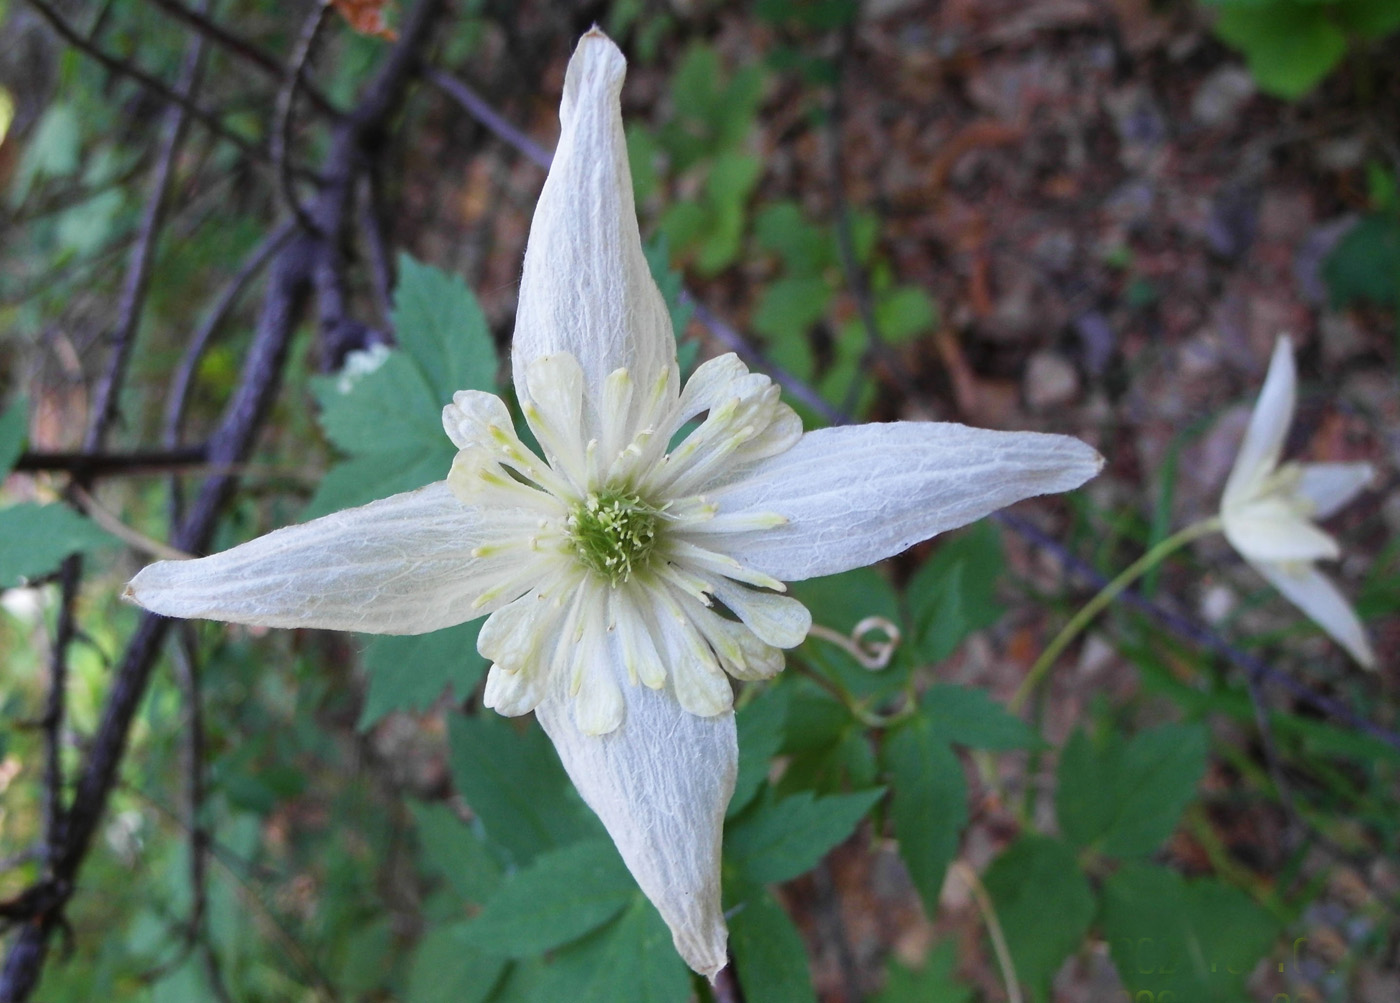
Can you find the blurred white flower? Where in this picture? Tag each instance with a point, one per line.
(599, 565)
(1268, 510)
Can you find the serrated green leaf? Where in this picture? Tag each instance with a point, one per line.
(928, 804)
(450, 849)
(935, 982)
(830, 749)
(968, 716)
(447, 967)
(1124, 799)
(768, 949)
(514, 784)
(1044, 906)
(14, 431)
(1085, 790)
(560, 896)
(954, 592)
(631, 959)
(34, 539)
(760, 724)
(387, 418)
(946, 622)
(1182, 940)
(380, 473)
(409, 673)
(440, 327)
(776, 840)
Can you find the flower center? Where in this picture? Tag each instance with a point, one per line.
(613, 533)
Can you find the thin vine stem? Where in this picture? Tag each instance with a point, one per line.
(1155, 556)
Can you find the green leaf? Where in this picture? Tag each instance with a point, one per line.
(1044, 906)
(904, 313)
(968, 716)
(935, 982)
(839, 602)
(790, 307)
(1289, 46)
(514, 784)
(409, 673)
(1124, 799)
(1368, 18)
(732, 179)
(760, 725)
(768, 950)
(641, 157)
(776, 840)
(34, 539)
(1174, 939)
(830, 749)
(805, 248)
(440, 327)
(658, 256)
(86, 227)
(928, 804)
(384, 409)
(451, 850)
(448, 967)
(14, 432)
(954, 592)
(53, 150)
(1364, 267)
(559, 897)
(630, 959)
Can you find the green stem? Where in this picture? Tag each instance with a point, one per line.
(1110, 592)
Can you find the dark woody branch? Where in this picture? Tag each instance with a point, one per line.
(356, 142)
(244, 49)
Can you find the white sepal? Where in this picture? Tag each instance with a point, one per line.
(857, 494)
(1268, 426)
(1313, 593)
(586, 288)
(350, 570)
(660, 783)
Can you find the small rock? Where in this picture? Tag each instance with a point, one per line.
(1345, 153)
(1221, 96)
(1050, 381)
(1217, 604)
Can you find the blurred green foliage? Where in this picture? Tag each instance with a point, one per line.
(1291, 45)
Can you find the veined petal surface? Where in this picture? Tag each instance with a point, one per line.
(857, 494)
(586, 288)
(402, 565)
(660, 783)
(1268, 426)
(1313, 593)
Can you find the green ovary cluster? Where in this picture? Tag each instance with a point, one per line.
(613, 534)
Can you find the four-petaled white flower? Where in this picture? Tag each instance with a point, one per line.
(623, 575)
(1267, 510)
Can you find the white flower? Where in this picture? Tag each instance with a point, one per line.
(623, 578)
(1267, 510)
